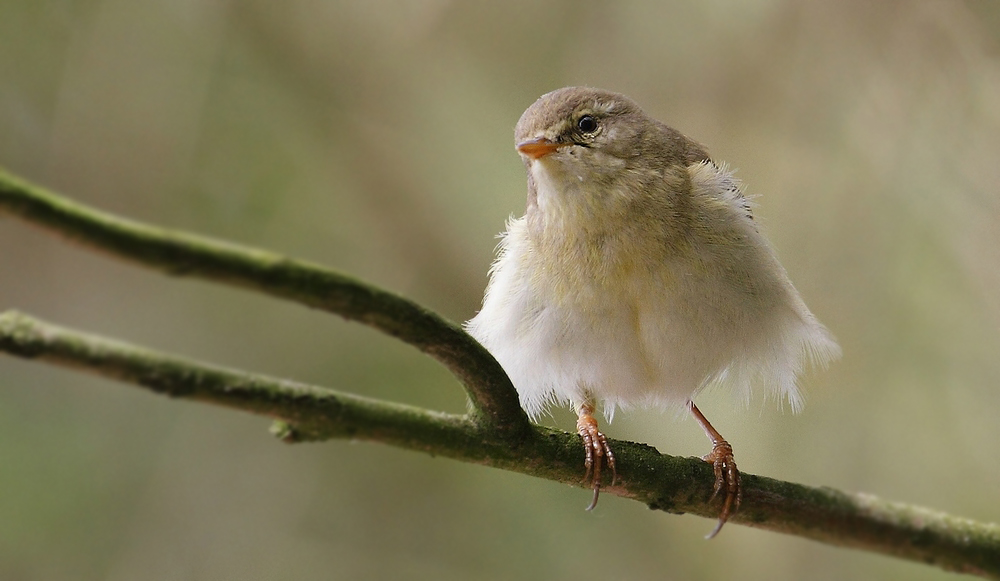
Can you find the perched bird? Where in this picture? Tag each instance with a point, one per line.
(637, 276)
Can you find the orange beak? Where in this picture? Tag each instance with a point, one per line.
(537, 148)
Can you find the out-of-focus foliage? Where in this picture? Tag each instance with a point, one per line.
(376, 137)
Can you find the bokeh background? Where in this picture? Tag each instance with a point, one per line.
(376, 137)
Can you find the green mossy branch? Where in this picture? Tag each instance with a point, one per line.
(490, 392)
(496, 433)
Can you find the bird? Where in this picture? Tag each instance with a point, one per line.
(638, 277)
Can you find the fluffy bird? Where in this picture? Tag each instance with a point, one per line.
(638, 277)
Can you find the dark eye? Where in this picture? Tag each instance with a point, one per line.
(587, 124)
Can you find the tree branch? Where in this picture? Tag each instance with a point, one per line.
(178, 253)
(663, 482)
(496, 433)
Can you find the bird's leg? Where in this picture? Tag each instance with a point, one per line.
(727, 476)
(596, 448)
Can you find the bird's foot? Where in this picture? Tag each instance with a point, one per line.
(727, 481)
(597, 451)
(727, 476)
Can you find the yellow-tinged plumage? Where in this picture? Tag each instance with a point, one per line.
(637, 274)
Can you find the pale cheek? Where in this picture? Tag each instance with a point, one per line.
(603, 165)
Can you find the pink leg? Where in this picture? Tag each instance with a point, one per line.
(727, 476)
(595, 445)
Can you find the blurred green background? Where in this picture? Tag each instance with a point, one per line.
(376, 137)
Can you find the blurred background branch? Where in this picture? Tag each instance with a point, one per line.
(491, 434)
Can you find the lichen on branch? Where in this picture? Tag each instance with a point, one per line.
(495, 433)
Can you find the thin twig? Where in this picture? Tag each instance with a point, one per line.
(663, 482)
(179, 253)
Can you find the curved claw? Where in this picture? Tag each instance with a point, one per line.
(727, 477)
(597, 452)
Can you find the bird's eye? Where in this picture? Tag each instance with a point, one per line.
(587, 124)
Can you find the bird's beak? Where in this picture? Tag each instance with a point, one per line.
(537, 148)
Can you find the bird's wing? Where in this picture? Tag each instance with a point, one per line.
(717, 177)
